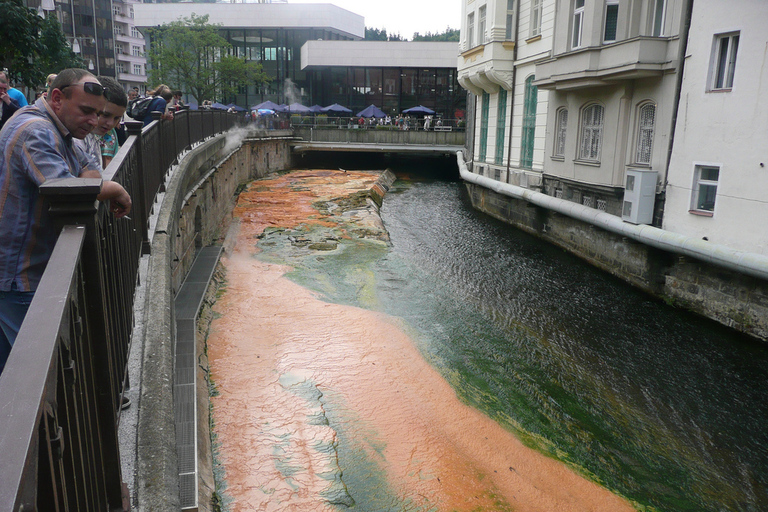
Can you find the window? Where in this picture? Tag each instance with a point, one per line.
(561, 126)
(509, 33)
(591, 132)
(116, 10)
(481, 26)
(130, 12)
(118, 50)
(137, 69)
(135, 33)
(705, 188)
(117, 30)
(535, 18)
(119, 67)
(484, 125)
(611, 20)
(471, 30)
(529, 123)
(501, 119)
(724, 61)
(646, 118)
(659, 17)
(136, 51)
(578, 21)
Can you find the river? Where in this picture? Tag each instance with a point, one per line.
(660, 406)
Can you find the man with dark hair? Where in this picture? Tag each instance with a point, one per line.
(102, 142)
(36, 145)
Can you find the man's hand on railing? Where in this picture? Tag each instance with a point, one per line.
(119, 200)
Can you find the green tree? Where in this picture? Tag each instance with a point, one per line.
(34, 47)
(375, 34)
(450, 34)
(191, 55)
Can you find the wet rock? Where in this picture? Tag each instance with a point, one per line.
(324, 246)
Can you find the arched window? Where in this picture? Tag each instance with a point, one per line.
(561, 125)
(529, 123)
(646, 117)
(592, 118)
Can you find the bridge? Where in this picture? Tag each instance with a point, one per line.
(378, 140)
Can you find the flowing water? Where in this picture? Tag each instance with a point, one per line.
(665, 407)
(658, 405)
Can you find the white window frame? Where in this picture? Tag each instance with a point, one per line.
(723, 65)
(136, 33)
(535, 18)
(699, 184)
(509, 32)
(471, 30)
(658, 18)
(609, 3)
(119, 67)
(577, 25)
(136, 50)
(561, 131)
(137, 69)
(645, 133)
(481, 21)
(116, 10)
(591, 140)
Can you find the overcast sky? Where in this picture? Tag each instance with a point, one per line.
(403, 16)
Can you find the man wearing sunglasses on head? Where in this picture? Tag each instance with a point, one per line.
(35, 146)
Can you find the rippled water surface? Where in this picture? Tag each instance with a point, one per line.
(661, 406)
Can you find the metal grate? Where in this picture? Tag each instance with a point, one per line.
(187, 304)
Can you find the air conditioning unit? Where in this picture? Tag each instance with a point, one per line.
(639, 196)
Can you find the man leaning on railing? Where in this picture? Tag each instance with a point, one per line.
(36, 145)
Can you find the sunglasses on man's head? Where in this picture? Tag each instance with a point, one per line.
(89, 87)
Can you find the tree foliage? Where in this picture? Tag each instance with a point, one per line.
(374, 34)
(190, 54)
(34, 46)
(450, 34)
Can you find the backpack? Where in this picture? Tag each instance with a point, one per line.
(139, 107)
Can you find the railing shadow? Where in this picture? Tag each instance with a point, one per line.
(61, 389)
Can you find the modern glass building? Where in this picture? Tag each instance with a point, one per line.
(391, 75)
(315, 55)
(272, 34)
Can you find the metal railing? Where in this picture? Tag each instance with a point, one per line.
(435, 124)
(61, 389)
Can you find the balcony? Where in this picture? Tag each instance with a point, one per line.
(635, 58)
(126, 38)
(487, 67)
(130, 77)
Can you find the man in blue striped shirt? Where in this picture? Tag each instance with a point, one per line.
(35, 146)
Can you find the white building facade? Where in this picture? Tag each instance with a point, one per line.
(130, 49)
(501, 40)
(612, 80)
(718, 172)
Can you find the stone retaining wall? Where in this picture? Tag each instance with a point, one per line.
(735, 300)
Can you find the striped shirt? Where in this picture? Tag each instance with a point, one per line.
(34, 147)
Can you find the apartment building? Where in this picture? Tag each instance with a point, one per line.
(718, 172)
(130, 49)
(501, 41)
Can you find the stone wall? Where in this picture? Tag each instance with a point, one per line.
(738, 301)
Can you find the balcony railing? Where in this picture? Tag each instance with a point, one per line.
(61, 389)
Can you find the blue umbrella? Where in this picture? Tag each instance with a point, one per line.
(235, 107)
(315, 108)
(371, 111)
(220, 106)
(298, 108)
(420, 109)
(336, 108)
(268, 105)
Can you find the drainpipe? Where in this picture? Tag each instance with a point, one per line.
(752, 264)
(688, 13)
(514, 81)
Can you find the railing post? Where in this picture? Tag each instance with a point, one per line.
(140, 210)
(73, 202)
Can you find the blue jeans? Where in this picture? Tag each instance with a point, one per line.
(13, 309)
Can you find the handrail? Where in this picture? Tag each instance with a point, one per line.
(61, 387)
